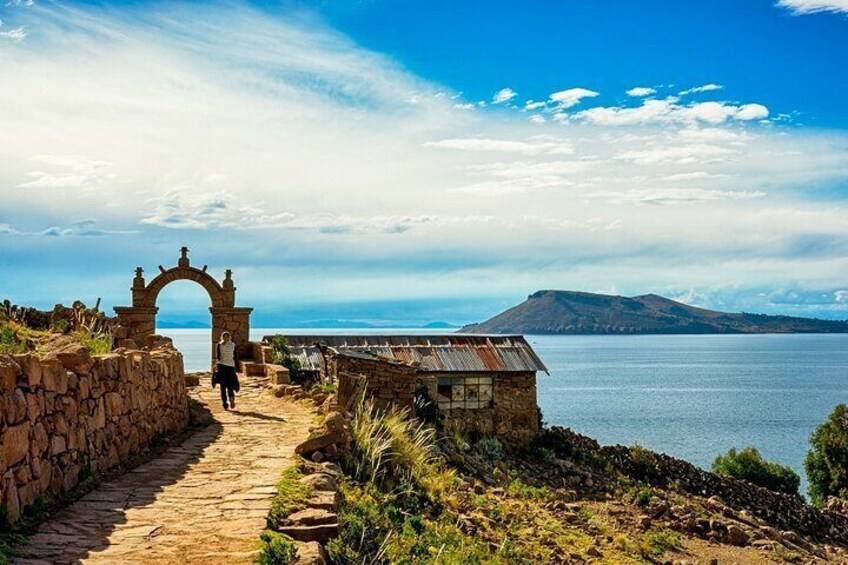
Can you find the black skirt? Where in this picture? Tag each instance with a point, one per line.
(227, 377)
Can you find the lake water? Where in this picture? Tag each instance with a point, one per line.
(692, 397)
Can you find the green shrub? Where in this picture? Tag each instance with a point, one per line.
(827, 460)
(643, 497)
(644, 464)
(276, 549)
(750, 466)
(490, 449)
(60, 326)
(95, 344)
(9, 340)
(282, 355)
(656, 543)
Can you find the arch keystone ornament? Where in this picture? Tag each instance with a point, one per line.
(138, 321)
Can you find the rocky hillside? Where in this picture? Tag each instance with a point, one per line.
(568, 312)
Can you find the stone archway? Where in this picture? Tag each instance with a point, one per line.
(138, 321)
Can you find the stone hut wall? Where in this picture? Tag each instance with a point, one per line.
(71, 414)
(513, 416)
(387, 383)
(516, 414)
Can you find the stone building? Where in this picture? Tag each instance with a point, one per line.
(483, 384)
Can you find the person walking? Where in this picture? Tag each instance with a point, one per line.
(225, 370)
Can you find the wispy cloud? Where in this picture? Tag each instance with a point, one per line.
(705, 88)
(202, 125)
(801, 7)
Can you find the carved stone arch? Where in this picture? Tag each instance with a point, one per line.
(138, 322)
(219, 296)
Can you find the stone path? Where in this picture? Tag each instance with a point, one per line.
(204, 501)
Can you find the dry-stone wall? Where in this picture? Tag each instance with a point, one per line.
(70, 414)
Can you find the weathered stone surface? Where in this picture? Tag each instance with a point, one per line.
(311, 553)
(737, 536)
(16, 443)
(321, 534)
(319, 442)
(321, 481)
(313, 517)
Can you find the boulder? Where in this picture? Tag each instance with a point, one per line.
(319, 442)
(335, 422)
(311, 553)
(75, 358)
(321, 481)
(737, 536)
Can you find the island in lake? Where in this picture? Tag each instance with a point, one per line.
(570, 312)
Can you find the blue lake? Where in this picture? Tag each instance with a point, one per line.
(692, 397)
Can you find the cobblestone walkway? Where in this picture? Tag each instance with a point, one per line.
(204, 501)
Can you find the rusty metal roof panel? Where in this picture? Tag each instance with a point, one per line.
(436, 353)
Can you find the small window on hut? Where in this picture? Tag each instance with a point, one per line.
(471, 392)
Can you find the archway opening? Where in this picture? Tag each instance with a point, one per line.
(184, 317)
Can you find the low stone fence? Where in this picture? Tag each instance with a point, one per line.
(780, 510)
(69, 415)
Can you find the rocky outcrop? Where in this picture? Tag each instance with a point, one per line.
(783, 511)
(70, 415)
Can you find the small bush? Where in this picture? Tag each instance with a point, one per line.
(749, 465)
(282, 355)
(657, 543)
(9, 340)
(643, 497)
(95, 344)
(490, 449)
(276, 549)
(644, 464)
(827, 460)
(60, 326)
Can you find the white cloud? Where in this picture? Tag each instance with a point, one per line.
(571, 97)
(503, 95)
(534, 105)
(841, 296)
(675, 195)
(75, 172)
(705, 88)
(679, 154)
(532, 147)
(669, 112)
(641, 91)
(694, 175)
(801, 7)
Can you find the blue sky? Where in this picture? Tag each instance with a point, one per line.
(402, 162)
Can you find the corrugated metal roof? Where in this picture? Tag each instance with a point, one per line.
(437, 353)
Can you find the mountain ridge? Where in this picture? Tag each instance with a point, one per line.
(586, 313)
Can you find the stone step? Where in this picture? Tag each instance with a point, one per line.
(312, 517)
(252, 369)
(321, 533)
(325, 500)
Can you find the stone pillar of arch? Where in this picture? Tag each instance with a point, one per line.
(138, 321)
